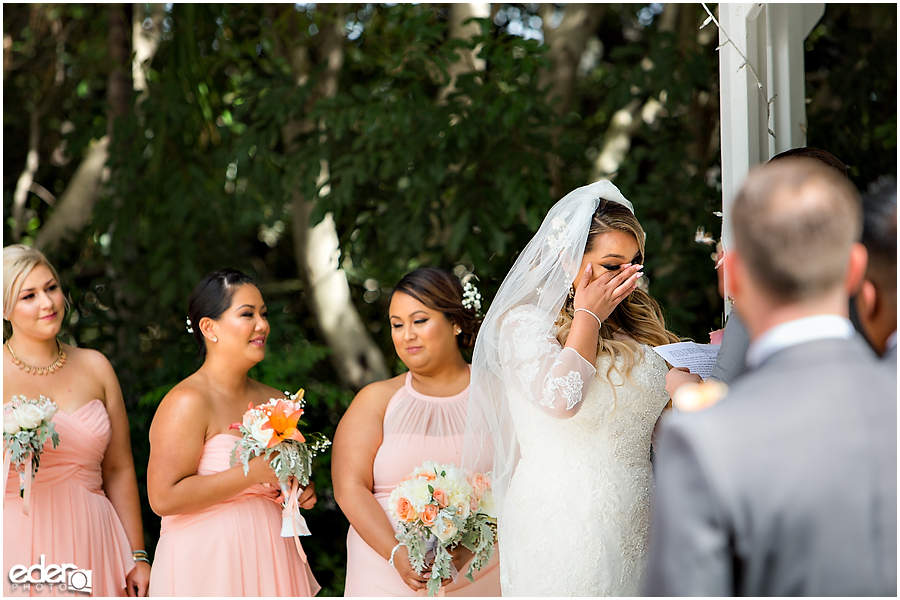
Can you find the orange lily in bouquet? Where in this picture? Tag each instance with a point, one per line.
(284, 427)
(272, 430)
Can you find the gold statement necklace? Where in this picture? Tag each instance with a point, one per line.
(53, 368)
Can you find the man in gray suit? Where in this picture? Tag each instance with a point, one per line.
(876, 302)
(788, 485)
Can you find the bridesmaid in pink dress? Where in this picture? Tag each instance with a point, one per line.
(220, 532)
(395, 425)
(84, 508)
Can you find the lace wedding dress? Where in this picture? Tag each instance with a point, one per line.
(575, 519)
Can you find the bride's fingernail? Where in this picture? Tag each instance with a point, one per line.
(639, 267)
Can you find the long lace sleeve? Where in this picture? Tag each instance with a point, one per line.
(534, 363)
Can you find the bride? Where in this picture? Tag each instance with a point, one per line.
(566, 387)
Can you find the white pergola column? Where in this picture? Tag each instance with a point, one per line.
(762, 89)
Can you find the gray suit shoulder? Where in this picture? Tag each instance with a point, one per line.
(731, 360)
(801, 452)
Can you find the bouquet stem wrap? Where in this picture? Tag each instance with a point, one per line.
(24, 480)
(292, 522)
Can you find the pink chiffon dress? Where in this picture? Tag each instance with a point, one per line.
(416, 428)
(71, 521)
(233, 548)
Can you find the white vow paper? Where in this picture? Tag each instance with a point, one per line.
(699, 358)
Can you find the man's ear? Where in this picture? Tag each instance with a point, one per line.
(734, 274)
(856, 268)
(867, 299)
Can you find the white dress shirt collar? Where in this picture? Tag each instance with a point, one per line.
(891, 342)
(799, 331)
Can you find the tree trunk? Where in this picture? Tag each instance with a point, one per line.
(118, 90)
(23, 185)
(356, 358)
(566, 44)
(468, 60)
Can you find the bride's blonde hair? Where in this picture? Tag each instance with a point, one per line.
(638, 317)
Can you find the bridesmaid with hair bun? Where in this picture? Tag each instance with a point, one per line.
(395, 425)
(221, 529)
(84, 508)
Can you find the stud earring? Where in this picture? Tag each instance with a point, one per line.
(456, 330)
(215, 339)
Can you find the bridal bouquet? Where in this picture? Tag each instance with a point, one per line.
(27, 426)
(271, 430)
(438, 507)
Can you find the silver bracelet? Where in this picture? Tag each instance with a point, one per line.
(599, 322)
(394, 551)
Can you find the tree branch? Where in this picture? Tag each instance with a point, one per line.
(23, 185)
(76, 205)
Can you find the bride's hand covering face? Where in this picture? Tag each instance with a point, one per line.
(609, 271)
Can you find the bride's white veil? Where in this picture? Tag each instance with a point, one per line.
(541, 277)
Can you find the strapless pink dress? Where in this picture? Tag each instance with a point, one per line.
(233, 548)
(416, 428)
(71, 520)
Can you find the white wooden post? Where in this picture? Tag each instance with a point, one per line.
(762, 87)
(789, 26)
(741, 103)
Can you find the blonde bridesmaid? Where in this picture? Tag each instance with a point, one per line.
(220, 533)
(84, 509)
(395, 425)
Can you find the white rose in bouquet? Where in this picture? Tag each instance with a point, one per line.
(462, 509)
(260, 436)
(444, 529)
(10, 424)
(28, 416)
(488, 506)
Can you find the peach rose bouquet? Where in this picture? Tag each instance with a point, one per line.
(272, 430)
(439, 506)
(27, 426)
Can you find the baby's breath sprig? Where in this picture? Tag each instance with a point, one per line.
(471, 297)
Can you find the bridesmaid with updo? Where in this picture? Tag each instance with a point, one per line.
(395, 425)
(84, 508)
(220, 533)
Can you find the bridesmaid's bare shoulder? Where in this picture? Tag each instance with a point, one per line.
(370, 403)
(379, 393)
(188, 402)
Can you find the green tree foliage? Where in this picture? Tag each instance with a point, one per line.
(233, 121)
